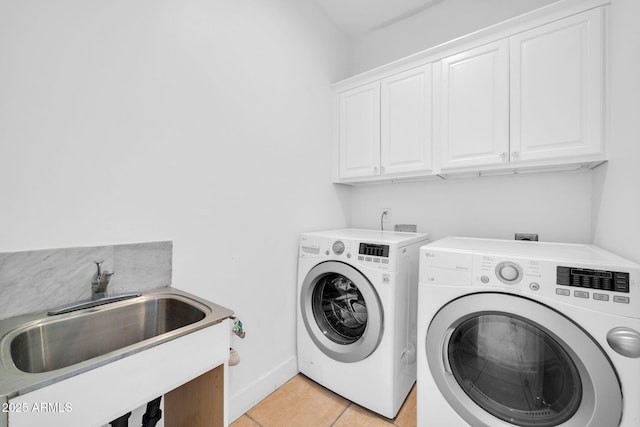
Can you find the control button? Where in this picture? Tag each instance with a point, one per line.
(376, 260)
(600, 297)
(534, 286)
(385, 261)
(386, 278)
(368, 259)
(348, 255)
(360, 258)
(338, 247)
(327, 252)
(484, 279)
(622, 300)
(622, 282)
(509, 272)
(563, 292)
(563, 276)
(581, 294)
(622, 287)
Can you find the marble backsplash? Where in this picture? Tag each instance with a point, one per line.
(37, 280)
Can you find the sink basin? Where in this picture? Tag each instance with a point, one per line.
(37, 350)
(58, 344)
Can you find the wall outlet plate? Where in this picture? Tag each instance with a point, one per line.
(527, 236)
(411, 228)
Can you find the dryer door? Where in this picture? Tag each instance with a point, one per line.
(504, 360)
(341, 311)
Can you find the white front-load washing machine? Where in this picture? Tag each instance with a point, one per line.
(357, 298)
(527, 334)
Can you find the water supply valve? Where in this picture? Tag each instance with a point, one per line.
(237, 327)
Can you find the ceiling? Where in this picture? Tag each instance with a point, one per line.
(358, 17)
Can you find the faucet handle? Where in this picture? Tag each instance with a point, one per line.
(99, 273)
(99, 266)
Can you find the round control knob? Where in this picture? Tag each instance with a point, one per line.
(509, 272)
(338, 247)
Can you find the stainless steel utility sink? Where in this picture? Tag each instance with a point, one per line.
(57, 344)
(36, 349)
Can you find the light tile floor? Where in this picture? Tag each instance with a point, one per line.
(302, 402)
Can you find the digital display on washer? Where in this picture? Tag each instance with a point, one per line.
(374, 250)
(595, 279)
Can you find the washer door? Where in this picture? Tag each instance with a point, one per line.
(341, 311)
(502, 360)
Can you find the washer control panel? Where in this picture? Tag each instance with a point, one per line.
(374, 255)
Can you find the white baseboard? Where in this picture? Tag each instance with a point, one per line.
(249, 396)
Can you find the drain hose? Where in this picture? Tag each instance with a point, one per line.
(153, 414)
(122, 421)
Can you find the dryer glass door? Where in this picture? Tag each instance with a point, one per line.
(341, 311)
(514, 370)
(504, 360)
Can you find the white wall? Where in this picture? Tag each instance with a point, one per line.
(202, 122)
(556, 206)
(616, 195)
(443, 22)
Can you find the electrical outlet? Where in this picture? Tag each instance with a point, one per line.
(386, 214)
(527, 236)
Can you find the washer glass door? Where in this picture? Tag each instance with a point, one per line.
(504, 360)
(341, 311)
(339, 308)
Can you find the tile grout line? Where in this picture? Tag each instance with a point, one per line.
(341, 414)
(253, 419)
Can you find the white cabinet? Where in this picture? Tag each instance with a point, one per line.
(534, 98)
(105, 393)
(385, 127)
(556, 89)
(474, 107)
(407, 123)
(359, 131)
(527, 94)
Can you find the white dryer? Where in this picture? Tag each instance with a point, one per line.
(527, 334)
(357, 298)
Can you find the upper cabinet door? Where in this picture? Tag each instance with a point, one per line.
(556, 89)
(406, 122)
(359, 131)
(474, 107)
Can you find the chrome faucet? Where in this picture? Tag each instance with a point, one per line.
(100, 281)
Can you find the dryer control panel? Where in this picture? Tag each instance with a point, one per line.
(615, 281)
(602, 288)
(576, 274)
